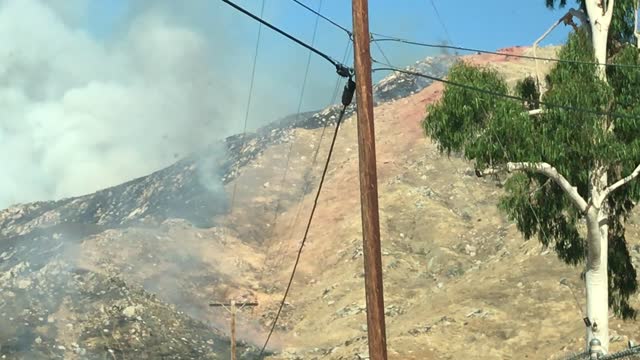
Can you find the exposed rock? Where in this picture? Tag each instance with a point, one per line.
(424, 329)
(90, 314)
(393, 310)
(351, 310)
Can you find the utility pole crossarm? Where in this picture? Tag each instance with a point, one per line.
(238, 304)
(234, 308)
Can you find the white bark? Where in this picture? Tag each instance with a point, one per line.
(622, 182)
(600, 13)
(553, 174)
(596, 275)
(597, 211)
(596, 278)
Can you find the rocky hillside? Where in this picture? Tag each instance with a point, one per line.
(63, 292)
(128, 272)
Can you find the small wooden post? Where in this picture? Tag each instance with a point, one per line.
(232, 308)
(233, 330)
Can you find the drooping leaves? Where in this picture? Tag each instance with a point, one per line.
(489, 129)
(492, 131)
(622, 274)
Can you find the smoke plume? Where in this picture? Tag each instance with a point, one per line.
(80, 113)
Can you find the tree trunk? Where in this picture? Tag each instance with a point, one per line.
(600, 14)
(596, 279)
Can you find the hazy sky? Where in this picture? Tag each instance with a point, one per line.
(96, 92)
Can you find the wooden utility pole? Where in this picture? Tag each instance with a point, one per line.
(232, 308)
(368, 184)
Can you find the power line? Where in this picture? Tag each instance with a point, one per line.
(317, 150)
(502, 95)
(451, 47)
(620, 355)
(248, 109)
(444, 27)
(302, 91)
(340, 68)
(325, 18)
(347, 96)
(460, 48)
(333, 100)
(382, 52)
(632, 351)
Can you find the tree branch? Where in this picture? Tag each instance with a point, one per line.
(567, 19)
(579, 14)
(553, 174)
(610, 9)
(487, 172)
(621, 182)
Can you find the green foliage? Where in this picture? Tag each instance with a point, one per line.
(625, 83)
(492, 131)
(485, 127)
(574, 139)
(622, 274)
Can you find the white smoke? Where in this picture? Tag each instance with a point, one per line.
(78, 114)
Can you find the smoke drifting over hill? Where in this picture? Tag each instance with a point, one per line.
(92, 97)
(81, 113)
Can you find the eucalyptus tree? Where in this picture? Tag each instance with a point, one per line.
(572, 154)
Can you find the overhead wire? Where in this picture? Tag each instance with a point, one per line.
(382, 53)
(444, 26)
(292, 141)
(533, 210)
(248, 106)
(319, 14)
(348, 72)
(340, 68)
(502, 95)
(497, 94)
(333, 100)
(631, 351)
(249, 98)
(386, 38)
(343, 71)
(346, 100)
(292, 225)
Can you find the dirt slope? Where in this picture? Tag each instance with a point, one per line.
(460, 282)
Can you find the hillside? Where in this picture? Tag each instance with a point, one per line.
(130, 269)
